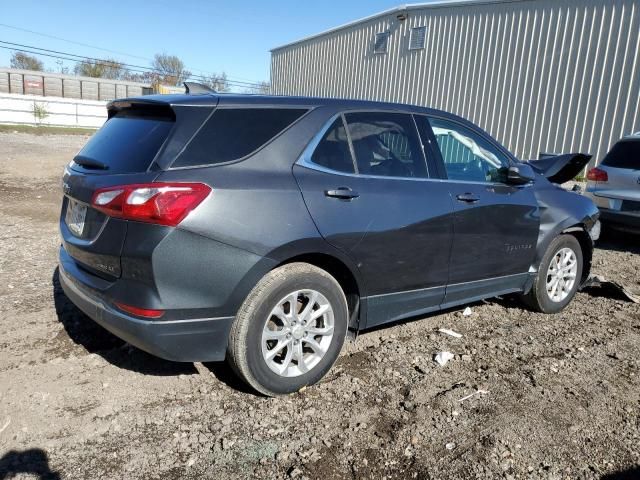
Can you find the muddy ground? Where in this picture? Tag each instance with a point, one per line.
(563, 395)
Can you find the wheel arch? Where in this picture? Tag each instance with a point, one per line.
(579, 231)
(344, 276)
(338, 265)
(586, 244)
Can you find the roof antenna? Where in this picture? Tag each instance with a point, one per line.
(193, 88)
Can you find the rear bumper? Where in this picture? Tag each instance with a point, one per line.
(628, 220)
(192, 340)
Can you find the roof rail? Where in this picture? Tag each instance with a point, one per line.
(196, 88)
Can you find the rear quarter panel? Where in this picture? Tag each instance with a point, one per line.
(255, 204)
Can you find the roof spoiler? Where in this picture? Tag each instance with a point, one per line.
(151, 107)
(193, 88)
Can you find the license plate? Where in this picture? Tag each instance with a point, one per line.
(74, 218)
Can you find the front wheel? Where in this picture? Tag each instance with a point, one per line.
(290, 329)
(558, 276)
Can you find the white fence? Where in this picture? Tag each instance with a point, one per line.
(53, 111)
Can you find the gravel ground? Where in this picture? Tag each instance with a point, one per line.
(562, 392)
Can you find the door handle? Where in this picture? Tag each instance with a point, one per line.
(467, 198)
(343, 193)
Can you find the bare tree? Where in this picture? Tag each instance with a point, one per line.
(107, 68)
(260, 88)
(218, 82)
(129, 76)
(25, 62)
(169, 69)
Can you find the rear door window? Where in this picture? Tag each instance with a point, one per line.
(333, 150)
(386, 144)
(126, 143)
(625, 154)
(233, 133)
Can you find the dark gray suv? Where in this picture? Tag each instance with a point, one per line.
(263, 229)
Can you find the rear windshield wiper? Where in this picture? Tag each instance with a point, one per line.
(87, 162)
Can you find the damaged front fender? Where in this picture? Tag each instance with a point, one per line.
(565, 212)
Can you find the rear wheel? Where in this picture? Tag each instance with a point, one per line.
(558, 276)
(290, 329)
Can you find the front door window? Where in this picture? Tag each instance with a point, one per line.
(468, 156)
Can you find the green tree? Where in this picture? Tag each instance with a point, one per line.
(25, 62)
(169, 69)
(107, 68)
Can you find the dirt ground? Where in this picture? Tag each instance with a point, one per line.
(562, 401)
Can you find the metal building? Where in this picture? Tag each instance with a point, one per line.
(539, 75)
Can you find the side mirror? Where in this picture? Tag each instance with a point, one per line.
(520, 174)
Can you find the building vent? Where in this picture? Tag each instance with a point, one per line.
(417, 38)
(381, 43)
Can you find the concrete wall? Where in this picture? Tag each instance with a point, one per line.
(539, 75)
(66, 112)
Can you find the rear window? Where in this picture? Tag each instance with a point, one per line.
(126, 143)
(231, 134)
(624, 155)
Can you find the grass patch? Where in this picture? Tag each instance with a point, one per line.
(46, 130)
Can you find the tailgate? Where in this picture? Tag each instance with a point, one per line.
(122, 152)
(90, 237)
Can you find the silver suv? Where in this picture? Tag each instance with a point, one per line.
(614, 185)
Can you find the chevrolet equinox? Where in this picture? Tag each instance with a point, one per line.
(262, 229)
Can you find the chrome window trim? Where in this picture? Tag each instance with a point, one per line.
(305, 163)
(304, 160)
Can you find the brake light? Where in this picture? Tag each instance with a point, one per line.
(140, 312)
(160, 203)
(597, 175)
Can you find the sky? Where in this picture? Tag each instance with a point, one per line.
(209, 36)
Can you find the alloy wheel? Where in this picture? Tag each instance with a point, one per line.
(297, 333)
(561, 274)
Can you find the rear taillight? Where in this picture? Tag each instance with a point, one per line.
(597, 175)
(160, 203)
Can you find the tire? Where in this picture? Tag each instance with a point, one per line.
(268, 306)
(539, 298)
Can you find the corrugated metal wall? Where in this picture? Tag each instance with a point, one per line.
(539, 75)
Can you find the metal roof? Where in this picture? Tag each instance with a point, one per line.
(399, 9)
